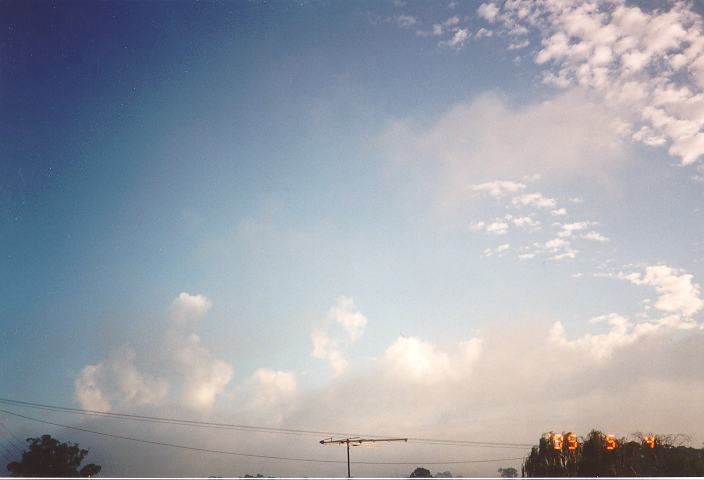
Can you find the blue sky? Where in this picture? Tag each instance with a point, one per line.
(234, 210)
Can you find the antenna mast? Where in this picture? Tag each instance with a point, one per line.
(357, 442)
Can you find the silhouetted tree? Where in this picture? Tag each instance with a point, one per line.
(47, 457)
(421, 472)
(445, 474)
(509, 472)
(591, 458)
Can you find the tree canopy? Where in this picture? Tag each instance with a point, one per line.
(421, 472)
(47, 457)
(599, 455)
(509, 472)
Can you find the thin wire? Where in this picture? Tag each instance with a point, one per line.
(8, 442)
(241, 454)
(253, 428)
(12, 435)
(6, 453)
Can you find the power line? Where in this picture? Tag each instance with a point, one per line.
(254, 428)
(357, 442)
(242, 454)
(6, 453)
(4, 427)
(8, 442)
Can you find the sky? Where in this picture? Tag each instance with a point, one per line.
(453, 220)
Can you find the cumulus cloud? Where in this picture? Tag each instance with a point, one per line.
(678, 297)
(330, 343)
(118, 378)
(200, 375)
(568, 229)
(481, 386)
(675, 287)
(499, 227)
(535, 199)
(419, 361)
(595, 237)
(488, 11)
(459, 36)
(87, 390)
(526, 222)
(650, 63)
(498, 251)
(270, 394)
(185, 368)
(188, 307)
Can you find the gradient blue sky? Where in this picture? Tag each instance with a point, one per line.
(271, 175)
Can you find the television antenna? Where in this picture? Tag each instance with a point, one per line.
(357, 442)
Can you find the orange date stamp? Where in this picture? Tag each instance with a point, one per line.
(559, 441)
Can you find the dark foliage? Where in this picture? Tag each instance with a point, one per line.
(591, 458)
(509, 472)
(421, 472)
(47, 457)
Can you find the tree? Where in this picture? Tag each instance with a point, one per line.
(599, 455)
(509, 472)
(445, 474)
(421, 472)
(47, 457)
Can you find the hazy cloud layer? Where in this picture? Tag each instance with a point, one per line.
(474, 147)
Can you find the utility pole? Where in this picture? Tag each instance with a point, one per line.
(357, 442)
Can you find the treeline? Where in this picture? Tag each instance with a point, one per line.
(599, 455)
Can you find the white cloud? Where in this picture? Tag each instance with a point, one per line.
(419, 361)
(518, 45)
(497, 188)
(534, 200)
(188, 307)
(556, 243)
(459, 36)
(405, 21)
(600, 346)
(346, 314)
(526, 222)
(331, 346)
(622, 333)
(499, 251)
(118, 378)
(200, 375)
(452, 21)
(677, 292)
(488, 11)
(87, 391)
(185, 367)
(558, 212)
(648, 64)
(483, 33)
(270, 394)
(568, 229)
(569, 253)
(497, 228)
(595, 237)
(326, 348)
